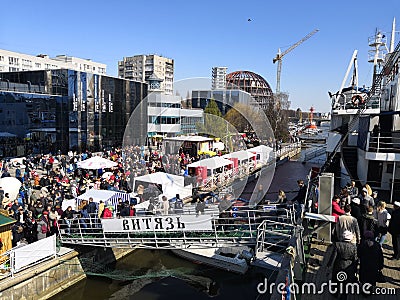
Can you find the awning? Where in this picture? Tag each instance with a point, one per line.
(240, 155)
(211, 163)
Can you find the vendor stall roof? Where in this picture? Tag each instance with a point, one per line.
(240, 155)
(211, 163)
(188, 138)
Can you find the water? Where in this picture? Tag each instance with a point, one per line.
(187, 280)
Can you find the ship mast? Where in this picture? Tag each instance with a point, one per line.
(377, 53)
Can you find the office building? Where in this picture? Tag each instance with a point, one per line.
(218, 76)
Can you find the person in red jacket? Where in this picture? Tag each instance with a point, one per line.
(336, 210)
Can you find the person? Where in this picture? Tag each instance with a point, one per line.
(165, 205)
(178, 205)
(355, 210)
(352, 189)
(108, 212)
(371, 259)
(348, 223)
(101, 209)
(336, 210)
(67, 217)
(43, 228)
(344, 259)
(300, 198)
(375, 198)
(132, 210)
(369, 189)
(200, 206)
(125, 210)
(369, 223)
(30, 228)
(383, 217)
(366, 200)
(281, 197)
(91, 209)
(394, 229)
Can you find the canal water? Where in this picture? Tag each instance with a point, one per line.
(159, 274)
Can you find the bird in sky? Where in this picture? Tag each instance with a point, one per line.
(248, 20)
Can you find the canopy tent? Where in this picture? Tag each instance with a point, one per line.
(211, 163)
(240, 155)
(10, 185)
(95, 163)
(171, 184)
(4, 134)
(264, 153)
(108, 197)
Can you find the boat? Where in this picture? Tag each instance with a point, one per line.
(367, 149)
(231, 259)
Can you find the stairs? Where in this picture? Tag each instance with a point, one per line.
(349, 155)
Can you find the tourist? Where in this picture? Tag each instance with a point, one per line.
(30, 228)
(281, 197)
(178, 205)
(366, 200)
(67, 217)
(225, 208)
(355, 210)
(352, 189)
(301, 194)
(43, 227)
(132, 210)
(200, 206)
(344, 259)
(6, 202)
(371, 260)
(347, 223)
(369, 189)
(383, 217)
(394, 229)
(336, 210)
(101, 209)
(368, 222)
(375, 198)
(165, 205)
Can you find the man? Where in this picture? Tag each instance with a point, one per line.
(1, 194)
(368, 222)
(375, 198)
(300, 198)
(352, 189)
(348, 223)
(224, 208)
(394, 229)
(355, 210)
(91, 207)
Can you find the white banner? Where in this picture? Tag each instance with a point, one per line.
(31, 253)
(158, 223)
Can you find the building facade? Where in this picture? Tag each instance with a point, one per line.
(66, 110)
(218, 76)
(14, 62)
(141, 67)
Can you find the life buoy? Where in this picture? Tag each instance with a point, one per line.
(357, 100)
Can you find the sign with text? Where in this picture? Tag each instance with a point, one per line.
(158, 223)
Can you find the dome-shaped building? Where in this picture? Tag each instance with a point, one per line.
(253, 84)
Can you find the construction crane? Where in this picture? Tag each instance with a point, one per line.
(280, 55)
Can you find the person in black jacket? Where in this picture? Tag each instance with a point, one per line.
(371, 259)
(300, 198)
(356, 210)
(369, 223)
(394, 229)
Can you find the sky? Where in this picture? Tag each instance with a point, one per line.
(201, 34)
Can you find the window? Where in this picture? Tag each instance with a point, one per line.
(389, 168)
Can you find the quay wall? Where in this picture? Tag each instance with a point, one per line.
(53, 276)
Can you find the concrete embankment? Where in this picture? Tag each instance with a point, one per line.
(51, 277)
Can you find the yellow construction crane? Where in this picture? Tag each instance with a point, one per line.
(279, 56)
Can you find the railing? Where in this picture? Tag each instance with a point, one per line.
(384, 142)
(283, 151)
(345, 104)
(314, 153)
(236, 227)
(24, 256)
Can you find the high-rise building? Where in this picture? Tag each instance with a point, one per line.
(219, 78)
(141, 67)
(14, 62)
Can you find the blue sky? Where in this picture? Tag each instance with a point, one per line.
(201, 34)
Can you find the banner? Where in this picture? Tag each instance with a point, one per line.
(158, 223)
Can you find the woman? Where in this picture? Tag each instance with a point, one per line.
(383, 217)
(281, 197)
(368, 189)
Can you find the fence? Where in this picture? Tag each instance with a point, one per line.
(24, 256)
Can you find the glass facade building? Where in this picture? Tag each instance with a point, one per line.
(68, 110)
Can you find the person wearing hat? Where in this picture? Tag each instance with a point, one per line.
(366, 200)
(371, 259)
(344, 259)
(394, 229)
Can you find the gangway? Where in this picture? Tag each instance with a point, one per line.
(241, 227)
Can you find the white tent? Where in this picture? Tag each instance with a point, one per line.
(211, 163)
(95, 163)
(11, 186)
(171, 184)
(264, 153)
(108, 197)
(240, 155)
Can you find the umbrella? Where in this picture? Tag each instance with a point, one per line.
(95, 163)
(11, 186)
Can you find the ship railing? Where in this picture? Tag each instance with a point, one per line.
(384, 142)
(345, 103)
(211, 231)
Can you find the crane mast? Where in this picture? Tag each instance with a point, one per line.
(280, 55)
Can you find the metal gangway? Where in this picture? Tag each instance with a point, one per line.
(237, 227)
